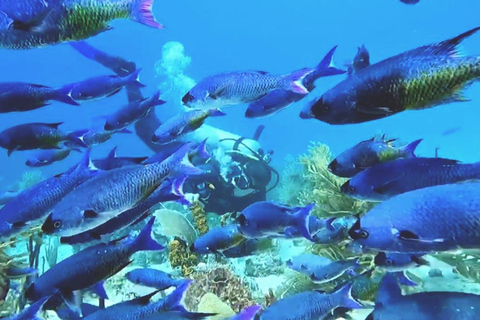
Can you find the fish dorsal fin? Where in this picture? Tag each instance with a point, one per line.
(262, 72)
(112, 154)
(449, 47)
(389, 290)
(362, 59)
(53, 125)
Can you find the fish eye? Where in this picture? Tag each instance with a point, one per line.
(351, 189)
(57, 224)
(389, 262)
(363, 234)
(187, 98)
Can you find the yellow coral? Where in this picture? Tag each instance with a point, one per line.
(211, 303)
(180, 256)
(200, 217)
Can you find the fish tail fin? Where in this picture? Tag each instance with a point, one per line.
(134, 79)
(202, 151)
(248, 313)
(175, 300)
(86, 164)
(450, 46)
(64, 95)
(409, 149)
(294, 81)
(36, 307)
(156, 99)
(346, 300)
(326, 67)
(144, 241)
(304, 221)
(142, 13)
(180, 162)
(216, 113)
(77, 138)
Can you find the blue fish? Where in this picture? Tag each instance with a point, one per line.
(410, 1)
(90, 266)
(96, 136)
(6, 196)
(278, 100)
(19, 96)
(360, 61)
(113, 192)
(32, 312)
(369, 153)
(47, 157)
(218, 239)
(66, 313)
(166, 192)
(17, 273)
(182, 124)
(102, 87)
(32, 136)
(267, 219)
(132, 112)
(30, 208)
(385, 180)
(399, 261)
(310, 305)
(113, 162)
(404, 223)
(168, 308)
(391, 304)
(153, 278)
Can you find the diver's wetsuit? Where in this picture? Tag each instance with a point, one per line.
(244, 186)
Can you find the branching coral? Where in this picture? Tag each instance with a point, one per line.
(466, 264)
(200, 217)
(220, 281)
(180, 256)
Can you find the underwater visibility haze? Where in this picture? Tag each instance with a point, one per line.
(253, 160)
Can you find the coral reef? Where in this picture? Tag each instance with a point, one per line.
(263, 265)
(180, 256)
(29, 178)
(465, 264)
(220, 281)
(200, 217)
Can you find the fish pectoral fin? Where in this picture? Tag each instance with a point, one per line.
(19, 224)
(114, 92)
(73, 300)
(10, 151)
(36, 25)
(387, 185)
(217, 93)
(375, 110)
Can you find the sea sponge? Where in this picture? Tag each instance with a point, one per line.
(180, 256)
(220, 281)
(172, 223)
(200, 217)
(210, 303)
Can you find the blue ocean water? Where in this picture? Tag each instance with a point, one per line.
(278, 37)
(273, 36)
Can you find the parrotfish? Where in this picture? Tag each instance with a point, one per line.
(153, 278)
(310, 305)
(32, 136)
(218, 239)
(19, 96)
(391, 304)
(279, 99)
(234, 88)
(417, 79)
(132, 112)
(90, 266)
(438, 218)
(393, 261)
(112, 192)
(165, 192)
(47, 157)
(385, 180)
(32, 23)
(98, 136)
(267, 219)
(101, 87)
(30, 207)
(369, 153)
(182, 124)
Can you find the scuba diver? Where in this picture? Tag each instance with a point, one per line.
(238, 172)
